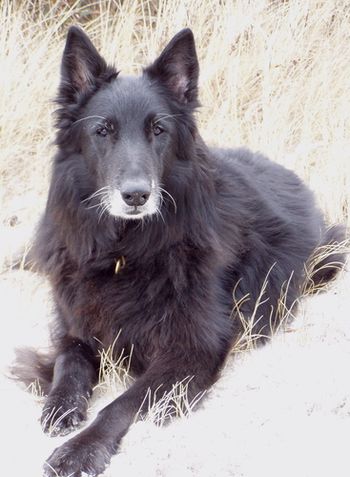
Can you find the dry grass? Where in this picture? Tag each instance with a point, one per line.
(275, 76)
(114, 372)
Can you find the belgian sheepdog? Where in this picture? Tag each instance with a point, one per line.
(151, 236)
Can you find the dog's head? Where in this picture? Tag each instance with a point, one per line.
(124, 133)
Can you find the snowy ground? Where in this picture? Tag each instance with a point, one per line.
(283, 409)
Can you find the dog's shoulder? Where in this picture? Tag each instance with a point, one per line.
(245, 160)
(254, 171)
(262, 190)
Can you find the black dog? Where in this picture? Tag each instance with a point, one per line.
(145, 236)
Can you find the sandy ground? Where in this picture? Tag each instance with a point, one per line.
(283, 409)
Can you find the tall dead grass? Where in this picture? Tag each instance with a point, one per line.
(275, 76)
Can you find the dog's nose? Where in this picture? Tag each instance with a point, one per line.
(135, 193)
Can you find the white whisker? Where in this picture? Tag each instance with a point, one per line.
(166, 116)
(104, 208)
(170, 196)
(159, 212)
(98, 192)
(93, 206)
(102, 195)
(88, 117)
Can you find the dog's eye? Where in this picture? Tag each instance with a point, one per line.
(105, 129)
(102, 131)
(156, 129)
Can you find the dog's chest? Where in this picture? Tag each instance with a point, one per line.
(130, 303)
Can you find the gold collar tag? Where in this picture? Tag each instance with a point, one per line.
(119, 264)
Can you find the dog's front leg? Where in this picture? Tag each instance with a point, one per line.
(89, 452)
(75, 373)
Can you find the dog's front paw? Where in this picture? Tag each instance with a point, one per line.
(79, 456)
(63, 414)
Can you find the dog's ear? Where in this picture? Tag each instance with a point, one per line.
(82, 66)
(177, 67)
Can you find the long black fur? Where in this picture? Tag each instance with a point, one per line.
(229, 223)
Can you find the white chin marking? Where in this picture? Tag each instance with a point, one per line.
(118, 208)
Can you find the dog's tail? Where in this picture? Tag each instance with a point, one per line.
(34, 369)
(328, 259)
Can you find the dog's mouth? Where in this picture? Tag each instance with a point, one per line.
(135, 211)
